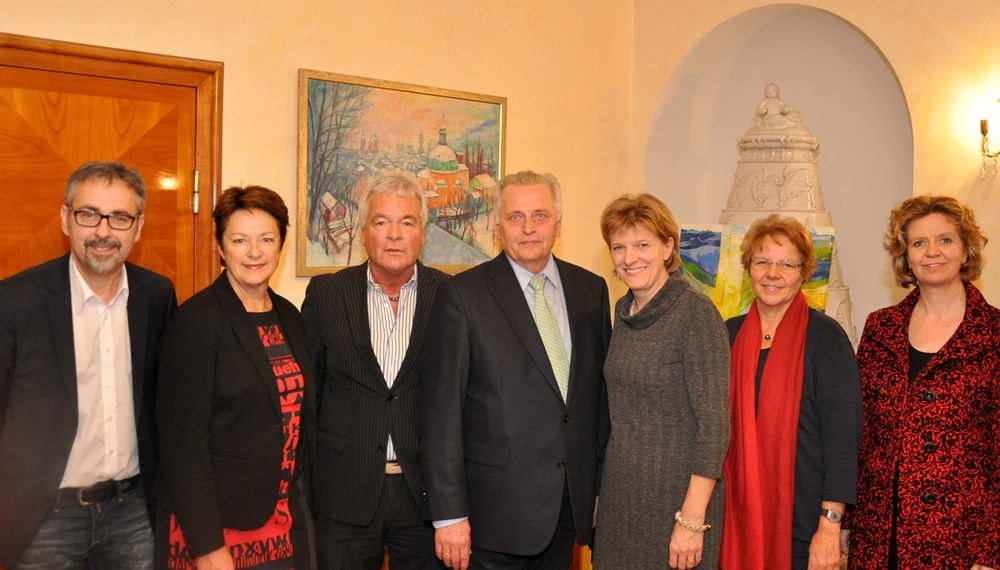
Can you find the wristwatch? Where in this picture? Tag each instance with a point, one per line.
(832, 515)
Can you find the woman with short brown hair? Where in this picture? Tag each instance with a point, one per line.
(235, 407)
(667, 375)
(791, 469)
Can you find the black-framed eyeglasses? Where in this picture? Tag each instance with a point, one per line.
(92, 219)
(784, 265)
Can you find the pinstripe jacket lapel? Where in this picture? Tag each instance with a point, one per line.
(356, 300)
(427, 284)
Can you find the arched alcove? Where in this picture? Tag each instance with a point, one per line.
(850, 99)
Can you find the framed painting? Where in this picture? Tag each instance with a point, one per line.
(710, 260)
(352, 128)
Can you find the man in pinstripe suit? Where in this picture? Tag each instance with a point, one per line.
(366, 326)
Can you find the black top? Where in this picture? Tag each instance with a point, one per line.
(761, 362)
(917, 362)
(829, 434)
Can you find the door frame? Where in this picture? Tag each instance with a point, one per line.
(203, 75)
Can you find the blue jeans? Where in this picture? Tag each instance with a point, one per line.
(110, 535)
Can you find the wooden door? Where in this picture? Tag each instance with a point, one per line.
(64, 104)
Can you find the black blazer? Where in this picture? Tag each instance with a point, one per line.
(38, 397)
(498, 444)
(221, 436)
(357, 410)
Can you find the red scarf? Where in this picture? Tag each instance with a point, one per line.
(759, 470)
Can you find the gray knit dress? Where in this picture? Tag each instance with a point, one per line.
(667, 372)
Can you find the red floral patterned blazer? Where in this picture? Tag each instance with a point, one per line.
(941, 431)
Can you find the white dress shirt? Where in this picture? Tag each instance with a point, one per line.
(106, 446)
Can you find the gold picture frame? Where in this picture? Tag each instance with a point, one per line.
(350, 128)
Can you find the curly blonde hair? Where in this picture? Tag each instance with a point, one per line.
(895, 239)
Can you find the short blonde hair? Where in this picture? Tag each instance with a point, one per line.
(895, 239)
(645, 210)
(775, 226)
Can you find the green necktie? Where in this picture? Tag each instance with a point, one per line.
(548, 327)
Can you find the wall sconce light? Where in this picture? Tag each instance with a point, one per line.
(984, 148)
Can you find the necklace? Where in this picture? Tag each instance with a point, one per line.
(768, 336)
(256, 305)
(393, 299)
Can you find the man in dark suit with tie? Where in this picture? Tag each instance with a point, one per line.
(513, 402)
(366, 326)
(78, 338)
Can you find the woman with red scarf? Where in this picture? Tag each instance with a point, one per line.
(929, 485)
(795, 412)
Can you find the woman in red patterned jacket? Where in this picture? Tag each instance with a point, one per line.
(929, 482)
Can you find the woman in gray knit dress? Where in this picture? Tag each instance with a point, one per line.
(667, 373)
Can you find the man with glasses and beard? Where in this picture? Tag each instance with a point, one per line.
(78, 336)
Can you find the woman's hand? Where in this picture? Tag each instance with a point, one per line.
(216, 560)
(980, 567)
(685, 548)
(824, 550)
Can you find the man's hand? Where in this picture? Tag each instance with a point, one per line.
(453, 544)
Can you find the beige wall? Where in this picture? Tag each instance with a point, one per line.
(942, 52)
(562, 64)
(582, 78)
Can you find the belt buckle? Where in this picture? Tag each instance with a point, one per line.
(79, 497)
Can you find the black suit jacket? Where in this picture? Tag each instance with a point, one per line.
(498, 443)
(357, 410)
(221, 434)
(38, 388)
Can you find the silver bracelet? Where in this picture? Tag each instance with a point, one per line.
(689, 526)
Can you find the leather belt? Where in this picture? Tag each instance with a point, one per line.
(393, 468)
(87, 496)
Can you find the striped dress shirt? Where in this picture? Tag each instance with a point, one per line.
(390, 332)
